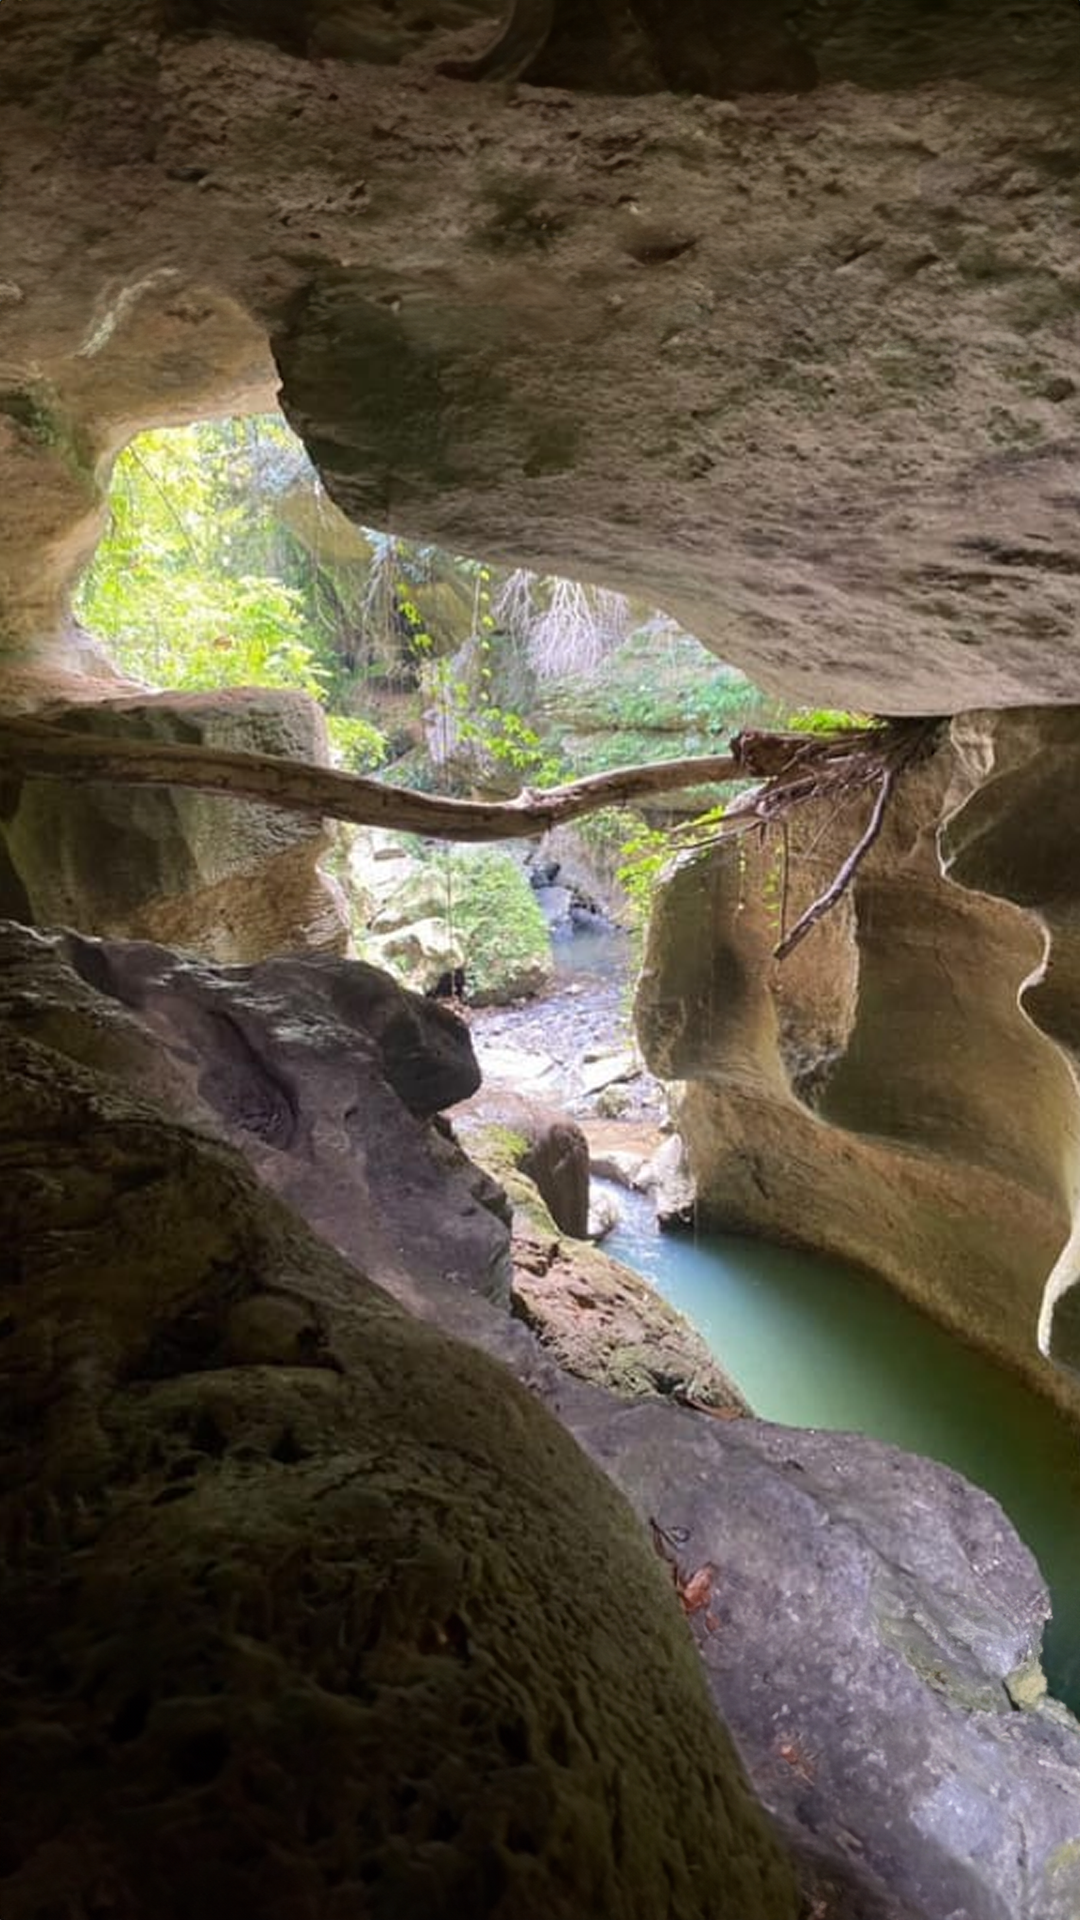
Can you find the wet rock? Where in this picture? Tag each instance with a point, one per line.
(620, 1164)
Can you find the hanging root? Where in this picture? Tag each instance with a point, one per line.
(796, 770)
(792, 769)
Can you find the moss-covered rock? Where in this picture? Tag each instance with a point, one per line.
(501, 929)
(600, 1320)
(428, 912)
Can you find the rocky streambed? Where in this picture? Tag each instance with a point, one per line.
(574, 1046)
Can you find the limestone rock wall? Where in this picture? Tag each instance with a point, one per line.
(1015, 836)
(223, 878)
(883, 1094)
(801, 366)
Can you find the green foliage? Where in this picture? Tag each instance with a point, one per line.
(461, 693)
(828, 720)
(774, 885)
(644, 857)
(174, 589)
(492, 912)
(722, 702)
(355, 744)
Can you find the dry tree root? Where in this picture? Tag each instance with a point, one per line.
(797, 770)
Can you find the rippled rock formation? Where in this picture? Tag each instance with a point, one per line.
(882, 1093)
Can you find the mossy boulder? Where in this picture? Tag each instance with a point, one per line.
(427, 911)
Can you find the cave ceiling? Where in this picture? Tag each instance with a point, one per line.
(775, 319)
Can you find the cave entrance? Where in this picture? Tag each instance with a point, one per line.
(224, 564)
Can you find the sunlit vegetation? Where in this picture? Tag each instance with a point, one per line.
(224, 563)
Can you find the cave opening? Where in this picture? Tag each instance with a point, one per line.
(371, 1541)
(225, 565)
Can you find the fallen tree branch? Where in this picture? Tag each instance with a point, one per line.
(39, 749)
(792, 770)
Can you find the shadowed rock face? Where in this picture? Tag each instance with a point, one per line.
(324, 1071)
(883, 1094)
(313, 1609)
(800, 366)
(307, 1610)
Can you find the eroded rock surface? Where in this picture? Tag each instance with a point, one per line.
(1013, 834)
(227, 879)
(801, 366)
(307, 1610)
(881, 1094)
(325, 1072)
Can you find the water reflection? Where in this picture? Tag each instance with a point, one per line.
(817, 1344)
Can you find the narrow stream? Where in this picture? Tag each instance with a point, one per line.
(813, 1343)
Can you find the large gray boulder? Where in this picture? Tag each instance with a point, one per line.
(871, 1636)
(324, 1071)
(308, 1611)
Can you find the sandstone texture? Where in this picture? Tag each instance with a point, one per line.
(801, 365)
(223, 878)
(881, 1094)
(1014, 835)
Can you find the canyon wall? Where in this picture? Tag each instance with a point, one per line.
(893, 1092)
